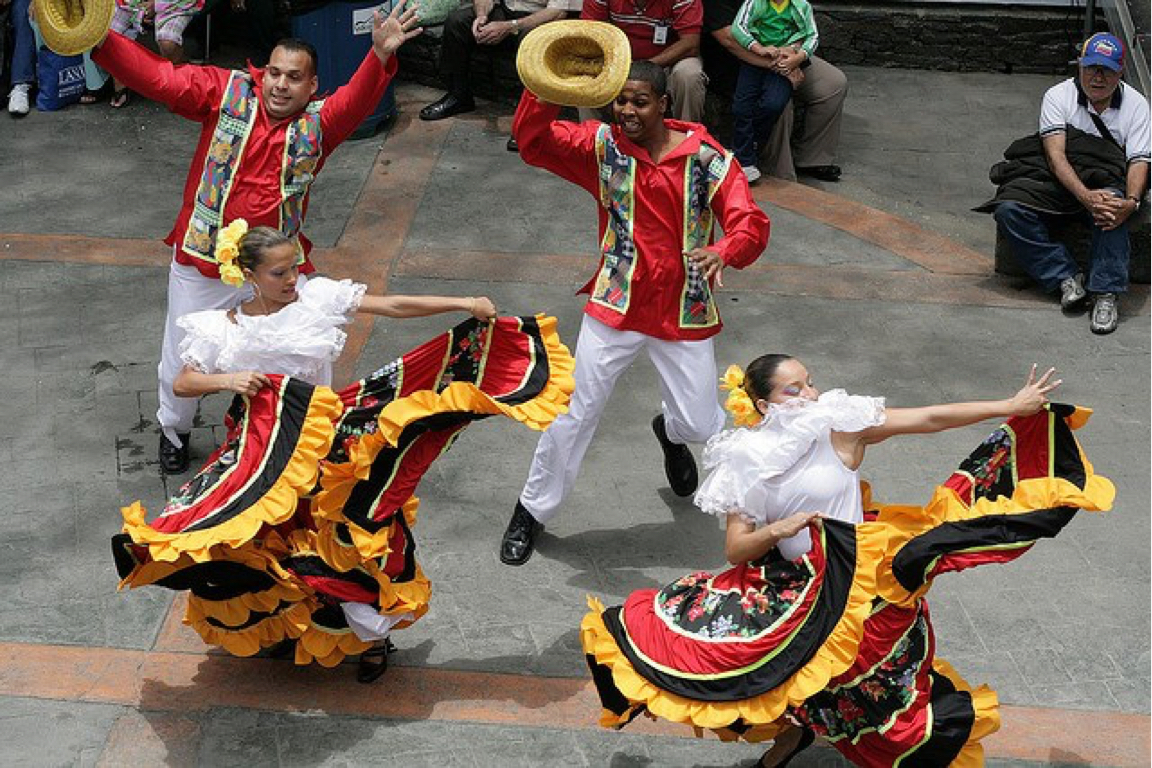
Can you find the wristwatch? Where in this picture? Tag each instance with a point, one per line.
(516, 32)
(1136, 200)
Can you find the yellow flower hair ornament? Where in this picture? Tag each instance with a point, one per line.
(227, 251)
(738, 403)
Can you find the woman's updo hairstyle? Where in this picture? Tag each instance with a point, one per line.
(758, 375)
(256, 242)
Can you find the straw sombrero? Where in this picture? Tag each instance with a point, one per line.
(575, 63)
(70, 27)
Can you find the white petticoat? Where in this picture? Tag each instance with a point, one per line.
(301, 340)
(739, 460)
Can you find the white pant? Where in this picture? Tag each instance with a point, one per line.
(188, 291)
(688, 390)
(369, 624)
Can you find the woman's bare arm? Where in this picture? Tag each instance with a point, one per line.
(938, 418)
(395, 305)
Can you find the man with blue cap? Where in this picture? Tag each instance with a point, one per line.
(1105, 175)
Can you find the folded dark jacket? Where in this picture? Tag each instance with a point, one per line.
(1023, 176)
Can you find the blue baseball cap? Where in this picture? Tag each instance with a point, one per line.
(1103, 50)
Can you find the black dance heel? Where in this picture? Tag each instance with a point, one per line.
(374, 662)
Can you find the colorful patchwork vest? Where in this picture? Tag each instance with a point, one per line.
(302, 151)
(703, 173)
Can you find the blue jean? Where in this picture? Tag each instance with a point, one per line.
(23, 44)
(760, 96)
(1049, 263)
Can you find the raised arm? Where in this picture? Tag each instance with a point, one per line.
(345, 109)
(395, 305)
(566, 149)
(188, 90)
(937, 418)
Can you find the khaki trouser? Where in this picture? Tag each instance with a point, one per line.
(822, 95)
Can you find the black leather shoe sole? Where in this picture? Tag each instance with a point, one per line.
(679, 464)
(520, 537)
(174, 460)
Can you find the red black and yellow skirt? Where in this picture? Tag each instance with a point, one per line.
(309, 502)
(840, 640)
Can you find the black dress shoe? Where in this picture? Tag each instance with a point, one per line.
(512, 146)
(449, 104)
(174, 460)
(520, 537)
(821, 172)
(679, 465)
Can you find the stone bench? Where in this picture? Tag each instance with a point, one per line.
(1078, 237)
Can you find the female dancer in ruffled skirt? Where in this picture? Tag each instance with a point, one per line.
(297, 532)
(820, 627)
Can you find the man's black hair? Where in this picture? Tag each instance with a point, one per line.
(653, 74)
(295, 44)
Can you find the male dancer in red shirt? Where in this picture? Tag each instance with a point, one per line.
(661, 185)
(263, 139)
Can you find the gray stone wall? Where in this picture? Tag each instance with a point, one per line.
(973, 38)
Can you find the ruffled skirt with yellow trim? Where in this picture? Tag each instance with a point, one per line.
(309, 503)
(840, 641)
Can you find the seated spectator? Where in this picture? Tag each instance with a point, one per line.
(820, 91)
(667, 33)
(23, 60)
(169, 18)
(783, 36)
(1091, 161)
(484, 22)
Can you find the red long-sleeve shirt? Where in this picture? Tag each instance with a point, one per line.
(195, 92)
(569, 150)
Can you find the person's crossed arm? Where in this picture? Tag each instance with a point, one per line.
(489, 32)
(686, 47)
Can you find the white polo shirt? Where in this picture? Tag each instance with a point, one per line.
(1126, 117)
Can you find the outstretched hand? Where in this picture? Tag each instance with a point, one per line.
(1034, 394)
(392, 31)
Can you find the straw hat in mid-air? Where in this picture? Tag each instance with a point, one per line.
(575, 63)
(70, 27)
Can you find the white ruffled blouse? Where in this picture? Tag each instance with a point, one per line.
(787, 464)
(302, 339)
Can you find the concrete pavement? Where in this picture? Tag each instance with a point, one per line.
(882, 284)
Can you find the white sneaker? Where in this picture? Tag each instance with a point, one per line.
(18, 99)
(752, 172)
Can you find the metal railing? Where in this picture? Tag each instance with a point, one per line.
(1120, 22)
